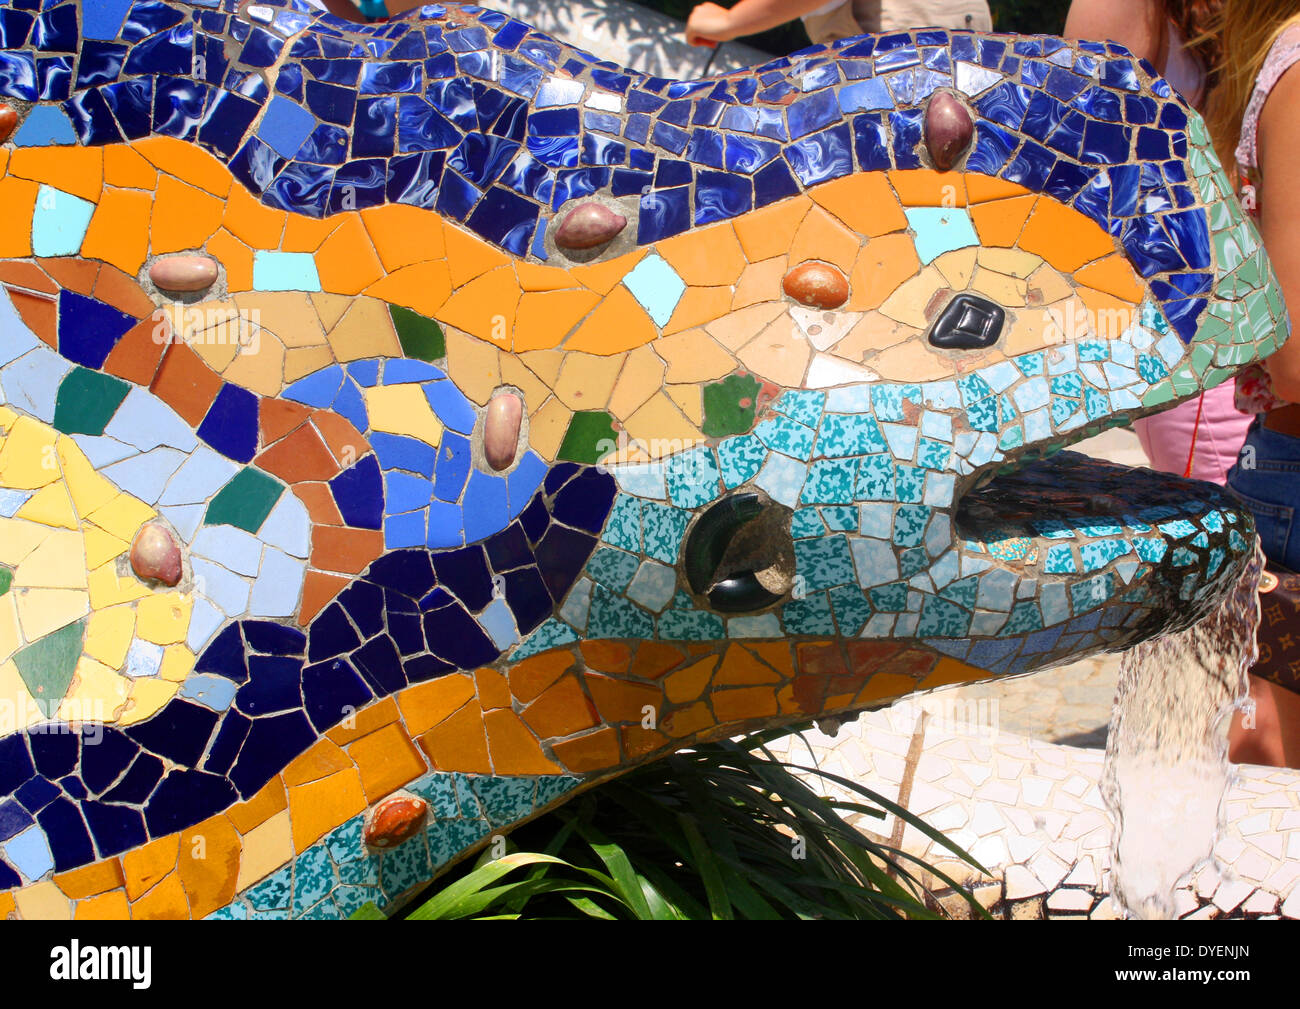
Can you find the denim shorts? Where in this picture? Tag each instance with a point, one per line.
(1267, 479)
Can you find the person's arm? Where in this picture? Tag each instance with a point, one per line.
(1279, 223)
(1138, 25)
(710, 23)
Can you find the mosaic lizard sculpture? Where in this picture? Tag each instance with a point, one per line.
(405, 425)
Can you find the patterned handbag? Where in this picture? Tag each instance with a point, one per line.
(1279, 631)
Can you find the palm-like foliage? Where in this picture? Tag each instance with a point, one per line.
(718, 832)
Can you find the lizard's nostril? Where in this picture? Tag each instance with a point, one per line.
(740, 555)
(968, 323)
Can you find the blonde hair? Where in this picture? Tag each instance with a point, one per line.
(1247, 30)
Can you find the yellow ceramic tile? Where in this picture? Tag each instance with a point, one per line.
(123, 516)
(187, 162)
(25, 712)
(148, 695)
(264, 849)
(698, 306)
(183, 217)
(107, 589)
(661, 427)
(1029, 329)
(403, 409)
(907, 362)
(97, 693)
(27, 457)
(1012, 262)
(759, 283)
(330, 308)
(119, 231)
(881, 266)
(176, 663)
(514, 373)
(547, 426)
(163, 617)
(689, 682)
(108, 635)
(1111, 317)
(958, 267)
(302, 361)
(50, 506)
(7, 417)
(89, 490)
(290, 315)
(473, 365)
(735, 330)
(778, 354)
(908, 302)
(258, 367)
(101, 546)
(545, 364)
(18, 539)
(688, 398)
(10, 637)
(642, 374)
(694, 357)
(586, 380)
(1002, 290)
(403, 235)
(865, 203)
(41, 611)
(58, 563)
(365, 331)
(43, 902)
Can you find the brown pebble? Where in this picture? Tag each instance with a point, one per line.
(817, 285)
(588, 226)
(948, 130)
(184, 273)
(8, 121)
(394, 820)
(155, 554)
(501, 430)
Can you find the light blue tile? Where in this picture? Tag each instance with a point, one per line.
(186, 518)
(143, 659)
(30, 853)
(59, 223)
(644, 480)
(16, 339)
(285, 271)
(657, 287)
(146, 474)
(205, 621)
(232, 548)
(275, 593)
(31, 383)
(782, 478)
(578, 604)
(203, 474)
(653, 586)
(940, 229)
(875, 561)
(227, 591)
(45, 126)
(499, 622)
(902, 440)
(145, 421)
(215, 692)
(288, 527)
(765, 625)
(12, 500)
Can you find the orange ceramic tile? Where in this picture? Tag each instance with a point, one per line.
(318, 591)
(105, 907)
(821, 237)
(623, 700)
(864, 202)
(776, 654)
(183, 217)
(146, 865)
(1064, 237)
(306, 234)
(740, 668)
(699, 305)
(601, 277)
(187, 162)
(1113, 275)
(595, 751)
(209, 864)
(885, 687)
(403, 235)
(75, 170)
(26, 275)
(688, 721)
(537, 672)
(121, 290)
(319, 806)
(514, 749)
(72, 273)
(387, 760)
(545, 318)
(299, 456)
(423, 287)
(468, 256)
(742, 703)
(705, 258)
(492, 687)
(654, 658)
(982, 188)
(335, 548)
(320, 503)
(41, 315)
(236, 257)
(618, 323)
(761, 282)
(638, 741)
(346, 261)
(18, 197)
(883, 264)
(606, 656)
(251, 221)
(426, 704)
(165, 902)
(265, 803)
(534, 277)
(119, 230)
(125, 168)
(1000, 222)
(91, 879)
(458, 742)
(561, 710)
(137, 355)
(689, 683)
(344, 440)
(277, 417)
(361, 723)
(924, 187)
(1110, 317)
(186, 383)
(766, 233)
(321, 759)
(485, 306)
(951, 671)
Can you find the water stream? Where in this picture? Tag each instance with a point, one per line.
(1166, 774)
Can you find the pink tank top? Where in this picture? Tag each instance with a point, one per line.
(1254, 387)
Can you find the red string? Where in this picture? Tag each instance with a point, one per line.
(1196, 429)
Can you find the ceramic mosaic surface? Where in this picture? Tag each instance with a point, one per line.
(406, 424)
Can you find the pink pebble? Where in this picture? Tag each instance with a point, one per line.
(155, 555)
(588, 226)
(501, 430)
(184, 273)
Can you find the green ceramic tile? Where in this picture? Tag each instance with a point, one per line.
(6, 579)
(47, 665)
(590, 437)
(729, 405)
(87, 401)
(245, 501)
(420, 337)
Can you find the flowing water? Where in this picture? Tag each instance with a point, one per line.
(1166, 774)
